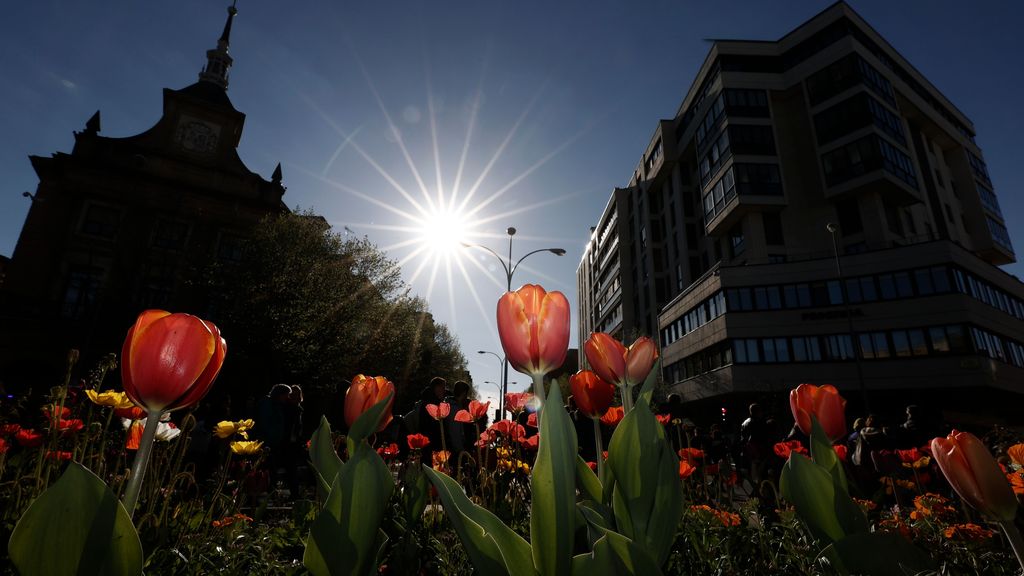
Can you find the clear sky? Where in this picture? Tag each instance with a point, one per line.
(372, 106)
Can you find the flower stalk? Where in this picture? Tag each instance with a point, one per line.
(138, 472)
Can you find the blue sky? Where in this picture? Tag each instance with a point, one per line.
(558, 100)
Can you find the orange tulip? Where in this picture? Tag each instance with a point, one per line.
(534, 329)
(973, 473)
(613, 416)
(825, 403)
(363, 393)
(617, 364)
(169, 361)
(593, 395)
(477, 411)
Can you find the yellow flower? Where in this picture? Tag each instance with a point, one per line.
(921, 462)
(110, 398)
(227, 428)
(246, 447)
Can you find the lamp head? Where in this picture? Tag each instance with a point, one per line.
(831, 227)
(557, 251)
(510, 231)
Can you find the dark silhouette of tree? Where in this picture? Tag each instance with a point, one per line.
(311, 307)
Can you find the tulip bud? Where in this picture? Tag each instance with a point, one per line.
(593, 395)
(973, 473)
(534, 329)
(824, 403)
(364, 393)
(169, 361)
(615, 363)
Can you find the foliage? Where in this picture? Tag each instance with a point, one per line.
(311, 306)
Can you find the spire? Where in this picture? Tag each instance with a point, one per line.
(276, 177)
(93, 125)
(218, 62)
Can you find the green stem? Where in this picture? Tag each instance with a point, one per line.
(1016, 542)
(599, 445)
(627, 399)
(538, 390)
(131, 494)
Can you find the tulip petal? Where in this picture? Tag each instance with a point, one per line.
(514, 331)
(167, 357)
(607, 357)
(552, 332)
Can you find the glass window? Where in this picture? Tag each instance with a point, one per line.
(903, 287)
(739, 351)
(761, 298)
(918, 346)
(170, 235)
(774, 298)
(835, 292)
(957, 339)
(101, 221)
(887, 286)
(799, 349)
(867, 289)
(867, 349)
(853, 290)
(937, 335)
(923, 277)
(804, 295)
(752, 352)
(789, 292)
(746, 299)
(733, 297)
(769, 350)
(781, 350)
(881, 345)
(813, 349)
(900, 343)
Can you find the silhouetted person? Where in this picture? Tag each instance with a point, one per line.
(916, 430)
(757, 440)
(434, 393)
(292, 407)
(456, 431)
(271, 427)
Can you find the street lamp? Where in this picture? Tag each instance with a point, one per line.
(510, 270)
(834, 231)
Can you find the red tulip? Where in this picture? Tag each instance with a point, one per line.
(133, 413)
(517, 401)
(531, 420)
(531, 443)
(534, 329)
(169, 361)
(417, 441)
(477, 411)
(439, 411)
(974, 474)
(28, 438)
(824, 403)
(617, 364)
(508, 428)
(4, 446)
(784, 449)
(613, 416)
(686, 469)
(593, 395)
(62, 455)
(691, 455)
(841, 451)
(10, 429)
(363, 393)
(70, 426)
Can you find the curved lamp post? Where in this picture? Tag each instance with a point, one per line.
(510, 269)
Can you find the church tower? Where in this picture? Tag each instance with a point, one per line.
(119, 225)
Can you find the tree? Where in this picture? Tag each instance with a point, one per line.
(308, 306)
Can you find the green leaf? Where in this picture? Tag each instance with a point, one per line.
(324, 458)
(647, 390)
(77, 526)
(553, 490)
(344, 537)
(811, 490)
(880, 555)
(824, 455)
(415, 492)
(367, 423)
(588, 482)
(647, 497)
(493, 547)
(613, 555)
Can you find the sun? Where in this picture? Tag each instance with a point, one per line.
(443, 231)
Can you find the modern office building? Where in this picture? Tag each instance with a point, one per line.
(119, 225)
(816, 211)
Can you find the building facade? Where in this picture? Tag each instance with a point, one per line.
(120, 225)
(816, 211)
